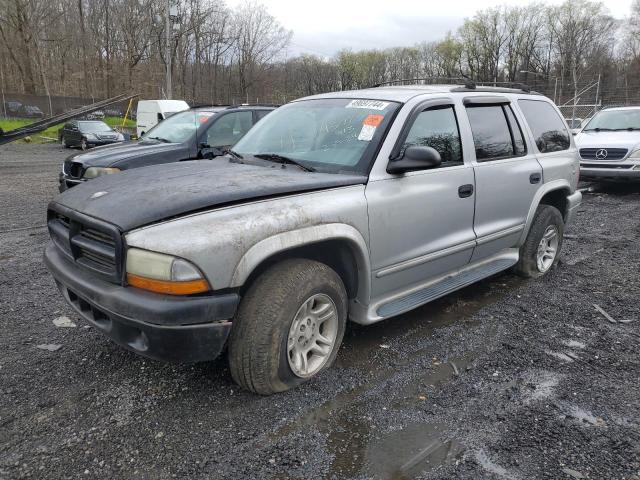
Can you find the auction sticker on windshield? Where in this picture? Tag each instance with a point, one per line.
(369, 125)
(369, 104)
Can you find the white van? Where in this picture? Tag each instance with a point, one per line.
(152, 112)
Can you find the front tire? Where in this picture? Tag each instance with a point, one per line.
(289, 326)
(541, 250)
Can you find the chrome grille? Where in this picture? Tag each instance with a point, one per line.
(75, 170)
(597, 153)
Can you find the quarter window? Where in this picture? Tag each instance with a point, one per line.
(549, 130)
(493, 135)
(437, 128)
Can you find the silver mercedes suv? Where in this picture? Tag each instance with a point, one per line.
(609, 145)
(357, 205)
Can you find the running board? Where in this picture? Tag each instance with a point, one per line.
(443, 287)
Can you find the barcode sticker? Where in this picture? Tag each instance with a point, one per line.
(369, 104)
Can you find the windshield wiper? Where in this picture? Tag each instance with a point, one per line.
(628, 129)
(234, 154)
(160, 139)
(598, 129)
(274, 157)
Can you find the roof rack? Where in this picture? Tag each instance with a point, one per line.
(253, 105)
(226, 106)
(466, 81)
(515, 85)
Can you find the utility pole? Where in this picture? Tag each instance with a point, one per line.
(4, 104)
(167, 33)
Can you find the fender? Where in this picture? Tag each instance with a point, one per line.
(560, 184)
(305, 236)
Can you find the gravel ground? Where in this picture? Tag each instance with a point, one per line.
(506, 379)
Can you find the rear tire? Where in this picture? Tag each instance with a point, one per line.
(541, 250)
(280, 336)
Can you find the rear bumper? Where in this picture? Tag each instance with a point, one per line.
(162, 327)
(573, 202)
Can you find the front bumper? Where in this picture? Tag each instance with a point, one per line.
(573, 202)
(162, 327)
(610, 172)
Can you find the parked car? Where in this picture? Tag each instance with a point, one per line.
(113, 112)
(609, 145)
(152, 112)
(12, 108)
(96, 115)
(355, 205)
(31, 111)
(87, 133)
(199, 133)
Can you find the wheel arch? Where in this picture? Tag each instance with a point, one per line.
(340, 246)
(555, 194)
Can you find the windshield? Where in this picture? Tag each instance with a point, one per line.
(615, 120)
(330, 135)
(94, 127)
(179, 127)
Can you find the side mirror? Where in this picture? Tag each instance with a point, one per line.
(416, 157)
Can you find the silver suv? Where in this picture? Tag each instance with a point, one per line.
(355, 205)
(609, 145)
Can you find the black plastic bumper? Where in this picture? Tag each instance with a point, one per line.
(162, 327)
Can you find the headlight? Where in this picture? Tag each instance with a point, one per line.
(161, 273)
(93, 172)
(90, 136)
(635, 155)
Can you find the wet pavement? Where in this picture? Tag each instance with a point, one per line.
(506, 379)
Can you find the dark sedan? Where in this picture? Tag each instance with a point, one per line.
(198, 133)
(86, 134)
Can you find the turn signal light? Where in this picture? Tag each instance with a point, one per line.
(188, 287)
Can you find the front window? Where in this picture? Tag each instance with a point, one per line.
(615, 120)
(179, 127)
(94, 127)
(229, 128)
(330, 135)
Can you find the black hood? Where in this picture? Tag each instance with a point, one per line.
(146, 195)
(123, 155)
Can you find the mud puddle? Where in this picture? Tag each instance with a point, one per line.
(358, 444)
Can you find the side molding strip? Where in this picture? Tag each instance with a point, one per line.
(398, 267)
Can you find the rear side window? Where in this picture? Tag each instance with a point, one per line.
(437, 128)
(494, 136)
(549, 130)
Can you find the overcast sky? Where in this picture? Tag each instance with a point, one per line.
(326, 26)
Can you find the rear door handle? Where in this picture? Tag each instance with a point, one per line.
(465, 191)
(535, 178)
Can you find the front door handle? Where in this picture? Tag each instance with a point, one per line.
(535, 178)
(465, 191)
